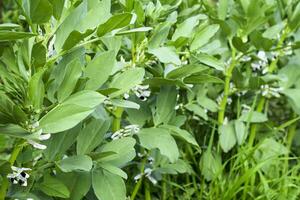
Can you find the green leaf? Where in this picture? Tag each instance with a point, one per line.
(72, 74)
(294, 98)
(99, 69)
(202, 78)
(91, 135)
(273, 31)
(222, 9)
(115, 22)
(113, 169)
(72, 111)
(78, 183)
(185, 71)
(152, 138)
(134, 30)
(240, 45)
(73, 163)
(125, 104)
(210, 61)
(124, 151)
(185, 29)
(227, 137)
(40, 11)
(159, 35)
(254, 117)
(38, 55)
(85, 98)
(57, 6)
(182, 134)
(54, 187)
(58, 144)
(74, 38)
(8, 26)
(165, 105)
(210, 165)
(240, 131)
(203, 36)
(127, 80)
(36, 90)
(12, 35)
(295, 18)
(108, 186)
(69, 24)
(13, 130)
(166, 55)
(198, 110)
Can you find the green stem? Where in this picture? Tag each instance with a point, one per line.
(17, 149)
(147, 191)
(139, 183)
(253, 129)
(228, 74)
(164, 189)
(116, 124)
(272, 68)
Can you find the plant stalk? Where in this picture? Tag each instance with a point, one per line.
(17, 149)
(228, 75)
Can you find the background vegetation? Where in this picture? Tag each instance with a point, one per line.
(169, 99)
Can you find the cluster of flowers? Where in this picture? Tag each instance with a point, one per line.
(37, 133)
(141, 91)
(126, 131)
(19, 176)
(269, 91)
(148, 172)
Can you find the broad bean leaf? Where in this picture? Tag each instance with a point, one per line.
(91, 135)
(166, 55)
(72, 111)
(74, 163)
(108, 186)
(203, 36)
(54, 187)
(227, 137)
(152, 138)
(115, 22)
(98, 70)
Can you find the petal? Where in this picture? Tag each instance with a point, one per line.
(37, 145)
(45, 136)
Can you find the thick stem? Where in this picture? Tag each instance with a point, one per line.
(253, 129)
(17, 149)
(228, 74)
(116, 124)
(147, 191)
(139, 183)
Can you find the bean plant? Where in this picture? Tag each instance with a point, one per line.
(149, 99)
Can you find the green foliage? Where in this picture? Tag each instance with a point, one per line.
(166, 99)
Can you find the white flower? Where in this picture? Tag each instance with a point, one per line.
(126, 131)
(288, 50)
(220, 99)
(41, 137)
(19, 176)
(51, 48)
(150, 160)
(245, 108)
(142, 92)
(45, 136)
(245, 58)
(37, 145)
(126, 96)
(147, 173)
(261, 64)
(269, 92)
